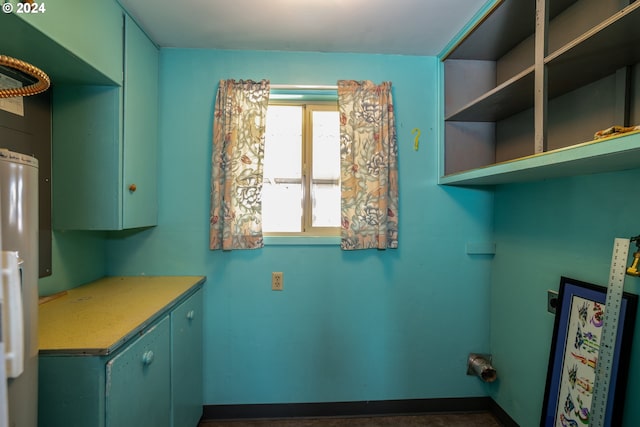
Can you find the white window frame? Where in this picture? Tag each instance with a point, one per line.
(318, 235)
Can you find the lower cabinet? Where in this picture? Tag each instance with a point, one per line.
(186, 362)
(152, 380)
(138, 389)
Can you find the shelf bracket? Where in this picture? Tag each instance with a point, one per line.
(541, 99)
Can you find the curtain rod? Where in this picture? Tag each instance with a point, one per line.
(305, 87)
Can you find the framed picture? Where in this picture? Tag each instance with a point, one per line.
(574, 354)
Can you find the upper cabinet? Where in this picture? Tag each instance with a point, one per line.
(72, 41)
(526, 88)
(104, 145)
(140, 199)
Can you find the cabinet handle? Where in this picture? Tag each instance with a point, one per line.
(133, 188)
(191, 315)
(147, 358)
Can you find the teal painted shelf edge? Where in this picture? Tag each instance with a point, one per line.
(604, 155)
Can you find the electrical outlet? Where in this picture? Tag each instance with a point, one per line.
(277, 280)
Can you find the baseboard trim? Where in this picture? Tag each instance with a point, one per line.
(501, 415)
(354, 409)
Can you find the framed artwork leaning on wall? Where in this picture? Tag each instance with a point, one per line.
(574, 353)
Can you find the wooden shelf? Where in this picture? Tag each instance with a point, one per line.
(516, 18)
(509, 98)
(603, 155)
(499, 106)
(598, 53)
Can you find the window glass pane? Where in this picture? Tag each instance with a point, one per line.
(281, 210)
(325, 183)
(283, 141)
(282, 186)
(326, 205)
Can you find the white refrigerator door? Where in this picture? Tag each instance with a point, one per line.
(4, 410)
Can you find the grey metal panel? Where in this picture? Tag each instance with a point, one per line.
(576, 116)
(634, 108)
(469, 146)
(597, 54)
(623, 96)
(465, 81)
(510, 23)
(579, 18)
(510, 98)
(514, 136)
(541, 99)
(515, 61)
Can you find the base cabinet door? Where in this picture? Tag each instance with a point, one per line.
(186, 364)
(138, 381)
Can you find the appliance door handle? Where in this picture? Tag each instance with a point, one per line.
(12, 321)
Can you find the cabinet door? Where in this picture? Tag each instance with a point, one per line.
(186, 369)
(104, 146)
(140, 128)
(138, 381)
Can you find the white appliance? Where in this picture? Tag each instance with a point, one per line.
(19, 303)
(4, 410)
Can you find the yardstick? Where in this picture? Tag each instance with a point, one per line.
(613, 302)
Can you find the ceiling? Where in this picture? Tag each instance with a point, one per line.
(403, 27)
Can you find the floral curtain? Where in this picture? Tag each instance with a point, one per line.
(238, 151)
(369, 166)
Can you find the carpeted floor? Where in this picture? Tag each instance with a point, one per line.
(482, 419)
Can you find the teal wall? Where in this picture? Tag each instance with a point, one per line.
(561, 227)
(362, 325)
(348, 326)
(77, 257)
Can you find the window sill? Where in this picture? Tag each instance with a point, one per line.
(301, 241)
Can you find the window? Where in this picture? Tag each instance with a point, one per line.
(301, 188)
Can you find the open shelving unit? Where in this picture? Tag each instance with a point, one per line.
(528, 86)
